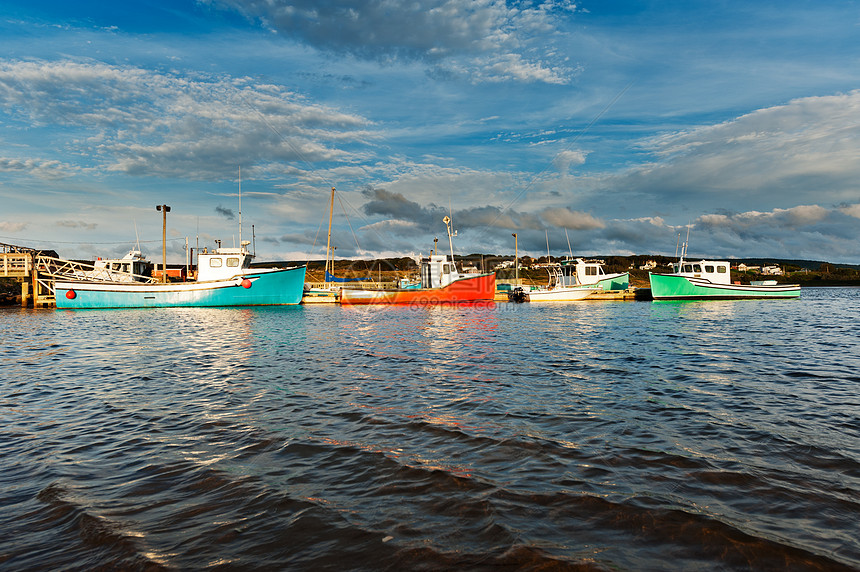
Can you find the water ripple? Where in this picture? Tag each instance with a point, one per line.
(582, 436)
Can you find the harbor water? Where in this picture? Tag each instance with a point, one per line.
(586, 436)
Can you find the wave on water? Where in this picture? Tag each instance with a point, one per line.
(583, 436)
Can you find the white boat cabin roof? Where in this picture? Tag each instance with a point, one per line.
(717, 271)
(582, 272)
(222, 263)
(133, 267)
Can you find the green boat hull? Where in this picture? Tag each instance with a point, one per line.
(673, 287)
(620, 282)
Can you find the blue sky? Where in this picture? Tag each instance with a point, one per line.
(616, 124)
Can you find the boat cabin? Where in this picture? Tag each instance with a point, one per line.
(438, 271)
(582, 272)
(222, 263)
(717, 272)
(133, 267)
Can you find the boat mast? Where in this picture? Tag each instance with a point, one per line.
(328, 241)
(546, 235)
(240, 206)
(447, 222)
(569, 249)
(684, 247)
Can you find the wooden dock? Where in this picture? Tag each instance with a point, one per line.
(21, 264)
(36, 271)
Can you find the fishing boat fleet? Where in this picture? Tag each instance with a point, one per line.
(226, 277)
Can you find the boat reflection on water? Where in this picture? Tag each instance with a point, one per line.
(426, 371)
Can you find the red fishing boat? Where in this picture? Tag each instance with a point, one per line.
(441, 283)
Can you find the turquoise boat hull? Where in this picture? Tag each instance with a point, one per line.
(620, 282)
(268, 287)
(674, 287)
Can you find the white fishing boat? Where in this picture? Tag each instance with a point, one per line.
(555, 291)
(133, 267)
(582, 272)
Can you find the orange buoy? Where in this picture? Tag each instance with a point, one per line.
(71, 294)
(246, 283)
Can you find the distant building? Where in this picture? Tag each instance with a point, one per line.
(744, 268)
(650, 265)
(772, 270)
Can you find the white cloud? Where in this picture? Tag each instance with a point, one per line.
(566, 218)
(146, 122)
(851, 210)
(564, 160)
(41, 168)
(795, 217)
(784, 153)
(7, 226)
(77, 224)
(486, 40)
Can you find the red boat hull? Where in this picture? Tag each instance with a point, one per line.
(480, 288)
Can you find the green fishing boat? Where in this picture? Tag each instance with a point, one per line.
(711, 280)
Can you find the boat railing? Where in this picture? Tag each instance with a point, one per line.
(57, 268)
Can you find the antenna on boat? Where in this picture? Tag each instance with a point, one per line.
(686, 242)
(137, 237)
(569, 249)
(546, 235)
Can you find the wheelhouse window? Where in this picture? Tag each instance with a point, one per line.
(591, 271)
(232, 261)
(709, 268)
(215, 262)
(721, 269)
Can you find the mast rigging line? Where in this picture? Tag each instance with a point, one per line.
(584, 130)
(288, 142)
(311, 168)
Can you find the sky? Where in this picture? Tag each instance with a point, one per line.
(586, 127)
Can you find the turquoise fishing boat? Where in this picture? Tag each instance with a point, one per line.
(711, 280)
(224, 278)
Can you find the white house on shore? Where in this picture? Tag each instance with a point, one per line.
(772, 270)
